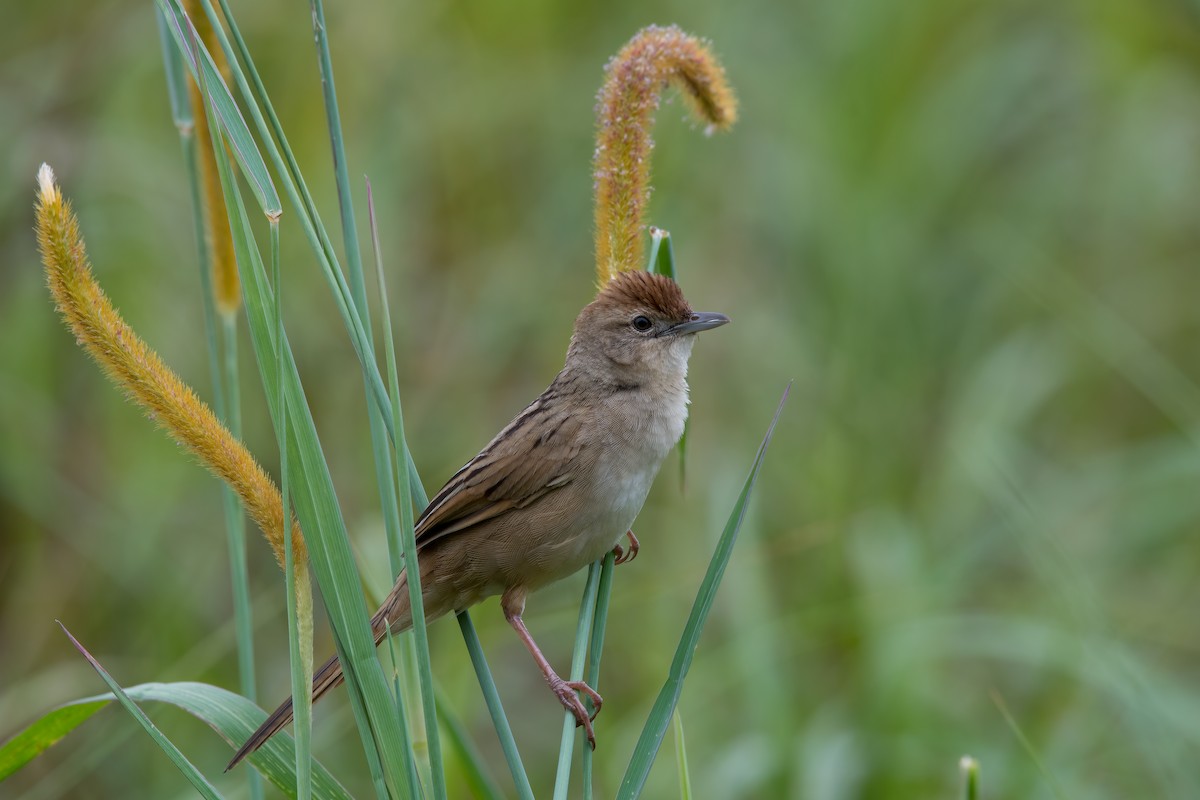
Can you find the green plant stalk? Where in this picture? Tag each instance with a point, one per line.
(583, 634)
(335, 566)
(411, 684)
(358, 291)
(232, 382)
(475, 768)
(318, 240)
(229, 411)
(374, 758)
(181, 110)
(399, 512)
(681, 761)
(297, 190)
(410, 761)
(299, 645)
(252, 160)
(659, 720)
(188, 769)
(235, 523)
(407, 524)
(316, 505)
(495, 707)
(970, 775)
(333, 121)
(595, 649)
(298, 194)
(221, 105)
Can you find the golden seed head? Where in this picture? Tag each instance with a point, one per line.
(140, 372)
(625, 108)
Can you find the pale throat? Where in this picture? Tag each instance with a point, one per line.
(651, 418)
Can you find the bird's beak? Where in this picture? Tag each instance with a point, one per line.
(700, 321)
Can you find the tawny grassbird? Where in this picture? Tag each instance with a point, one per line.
(560, 486)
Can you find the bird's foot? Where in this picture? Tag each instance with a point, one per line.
(565, 691)
(624, 556)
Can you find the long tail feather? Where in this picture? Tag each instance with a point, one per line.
(326, 678)
(395, 611)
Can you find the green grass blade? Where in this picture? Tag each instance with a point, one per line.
(492, 697)
(188, 769)
(475, 769)
(408, 540)
(223, 107)
(662, 254)
(315, 500)
(410, 766)
(662, 262)
(681, 762)
(231, 716)
(1026, 745)
(318, 239)
(43, 733)
(181, 109)
(384, 472)
(410, 687)
(228, 410)
(316, 506)
(595, 648)
(655, 729)
(297, 192)
(374, 757)
(970, 775)
(583, 635)
(333, 121)
(314, 230)
(299, 623)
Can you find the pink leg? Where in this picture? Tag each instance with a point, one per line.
(513, 603)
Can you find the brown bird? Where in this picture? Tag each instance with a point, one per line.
(561, 484)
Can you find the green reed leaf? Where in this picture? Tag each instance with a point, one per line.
(655, 729)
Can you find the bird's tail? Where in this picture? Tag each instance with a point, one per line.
(395, 613)
(326, 678)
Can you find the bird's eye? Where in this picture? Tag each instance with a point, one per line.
(642, 323)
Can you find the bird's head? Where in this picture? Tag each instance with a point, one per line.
(639, 330)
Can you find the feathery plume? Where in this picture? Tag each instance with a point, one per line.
(131, 364)
(624, 115)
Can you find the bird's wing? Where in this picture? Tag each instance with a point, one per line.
(535, 454)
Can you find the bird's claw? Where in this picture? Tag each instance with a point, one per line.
(592, 694)
(623, 556)
(566, 693)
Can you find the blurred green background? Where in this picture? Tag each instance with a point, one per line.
(970, 233)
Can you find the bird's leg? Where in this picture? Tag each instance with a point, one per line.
(634, 546)
(513, 603)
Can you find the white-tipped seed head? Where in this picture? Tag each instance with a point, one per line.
(46, 185)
